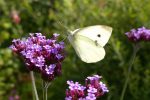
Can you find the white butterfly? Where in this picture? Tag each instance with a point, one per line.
(88, 42)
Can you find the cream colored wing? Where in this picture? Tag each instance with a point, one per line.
(98, 33)
(87, 49)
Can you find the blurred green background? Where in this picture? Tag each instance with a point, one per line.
(20, 17)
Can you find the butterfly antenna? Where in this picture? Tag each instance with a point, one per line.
(64, 26)
(64, 38)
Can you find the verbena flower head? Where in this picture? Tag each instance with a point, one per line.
(92, 90)
(139, 34)
(76, 90)
(40, 54)
(15, 17)
(14, 95)
(95, 86)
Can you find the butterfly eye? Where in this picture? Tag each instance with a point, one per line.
(99, 35)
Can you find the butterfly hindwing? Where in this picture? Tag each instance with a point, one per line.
(87, 49)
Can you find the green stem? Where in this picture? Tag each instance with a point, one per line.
(45, 86)
(46, 93)
(136, 48)
(34, 86)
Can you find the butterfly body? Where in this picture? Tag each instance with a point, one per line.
(88, 42)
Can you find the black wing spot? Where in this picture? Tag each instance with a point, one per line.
(98, 35)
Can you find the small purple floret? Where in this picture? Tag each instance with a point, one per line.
(90, 96)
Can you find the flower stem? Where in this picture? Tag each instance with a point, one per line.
(45, 86)
(34, 86)
(46, 93)
(136, 48)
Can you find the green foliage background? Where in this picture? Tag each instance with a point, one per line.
(43, 16)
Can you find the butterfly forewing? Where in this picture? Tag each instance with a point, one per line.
(98, 33)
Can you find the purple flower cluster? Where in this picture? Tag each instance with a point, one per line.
(14, 95)
(40, 54)
(139, 34)
(92, 90)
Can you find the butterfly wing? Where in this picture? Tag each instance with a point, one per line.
(87, 49)
(98, 33)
